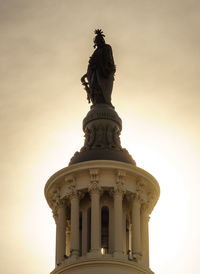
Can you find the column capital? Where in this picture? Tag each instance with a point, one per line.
(71, 181)
(94, 188)
(54, 198)
(74, 194)
(56, 202)
(61, 203)
(136, 197)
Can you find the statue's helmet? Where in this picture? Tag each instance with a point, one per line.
(99, 38)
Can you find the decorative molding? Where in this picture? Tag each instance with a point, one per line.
(71, 181)
(137, 197)
(120, 180)
(101, 136)
(55, 199)
(94, 181)
(56, 202)
(94, 175)
(140, 182)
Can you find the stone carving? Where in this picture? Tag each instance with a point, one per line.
(119, 186)
(136, 197)
(55, 202)
(94, 181)
(89, 138)
(140, 186)
(102, 111)
(71, 182)
(100, 72)
(102, 137)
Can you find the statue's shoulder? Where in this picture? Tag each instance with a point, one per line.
(108, 47)
(107, 50)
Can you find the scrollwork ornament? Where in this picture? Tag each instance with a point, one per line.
(71, 182)
(73, 194)
(94, 181)
(94, 187)
(140, 185)
(136, 197)
(94, 175)
(56, 202)
(119, 186)
(54, 197)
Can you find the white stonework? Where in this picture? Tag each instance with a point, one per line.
(102, 210)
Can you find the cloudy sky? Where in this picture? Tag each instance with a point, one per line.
(44, 51)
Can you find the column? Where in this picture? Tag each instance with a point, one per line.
(74, 224)
(95, 221)
(136, 235)
(60, 232)
(145, 234)
(119, 191)
(118, 224)
(94, 190)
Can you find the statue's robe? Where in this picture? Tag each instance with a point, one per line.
(100, 74)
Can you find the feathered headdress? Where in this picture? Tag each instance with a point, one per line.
(99, 37)
(99, 32)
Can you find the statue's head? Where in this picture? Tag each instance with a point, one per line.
(99, 38)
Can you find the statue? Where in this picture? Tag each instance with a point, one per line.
(100, 72)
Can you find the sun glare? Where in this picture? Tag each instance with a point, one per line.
(154, 151)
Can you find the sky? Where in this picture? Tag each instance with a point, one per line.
(44, 50)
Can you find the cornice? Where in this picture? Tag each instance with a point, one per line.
(95, 167)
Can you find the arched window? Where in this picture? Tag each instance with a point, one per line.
(104, 230)
(88, 229)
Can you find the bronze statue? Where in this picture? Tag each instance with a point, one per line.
(100, 72)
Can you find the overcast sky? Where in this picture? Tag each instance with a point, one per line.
(44, 50)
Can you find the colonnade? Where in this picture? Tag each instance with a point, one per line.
(139, 221)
